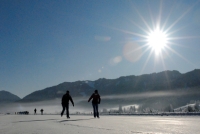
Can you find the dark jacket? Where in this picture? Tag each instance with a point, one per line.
(96, 98)
(66, 98)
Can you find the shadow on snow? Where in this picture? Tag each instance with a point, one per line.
(75, 120)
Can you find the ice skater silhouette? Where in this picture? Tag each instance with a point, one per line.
(65, 103)
(41, 111)
(96, 100)
(35, 110)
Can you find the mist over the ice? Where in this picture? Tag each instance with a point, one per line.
(49, 107)
(82, 105)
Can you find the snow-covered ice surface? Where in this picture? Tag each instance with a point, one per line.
(54, 124)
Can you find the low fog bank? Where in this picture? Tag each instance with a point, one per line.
(159, 100)
(49, 107)
(55, 107)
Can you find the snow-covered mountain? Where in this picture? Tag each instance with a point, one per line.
(151, 90)
(185, 87)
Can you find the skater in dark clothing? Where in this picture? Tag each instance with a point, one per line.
(65, 103)
(96, 100)
(35, 110)
(41, 111)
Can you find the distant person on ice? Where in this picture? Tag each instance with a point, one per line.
(96, 100)
(41, 111)
(65, 103)
(35, 110)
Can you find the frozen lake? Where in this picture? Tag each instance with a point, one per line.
(54, 124)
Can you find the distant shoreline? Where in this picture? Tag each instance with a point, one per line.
(128, 114)
(157, 114)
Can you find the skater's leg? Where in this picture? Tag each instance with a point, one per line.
(97, 110)
(94, 110)
(63, 106)
(67, 109)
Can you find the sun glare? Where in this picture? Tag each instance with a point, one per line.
(157, 40)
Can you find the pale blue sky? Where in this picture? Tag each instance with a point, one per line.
(44, 43)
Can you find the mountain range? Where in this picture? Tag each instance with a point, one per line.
(167, 87)
(6, 96)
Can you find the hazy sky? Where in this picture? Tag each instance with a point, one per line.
(44, 43)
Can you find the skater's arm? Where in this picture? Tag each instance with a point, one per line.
(71, 101)
(90, 98)
(62, 99)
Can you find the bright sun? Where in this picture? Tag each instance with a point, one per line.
(157, 40)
